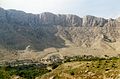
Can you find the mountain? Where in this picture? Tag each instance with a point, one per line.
(19, 30)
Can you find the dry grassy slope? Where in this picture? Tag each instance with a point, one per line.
(105, 69)
(71, 51)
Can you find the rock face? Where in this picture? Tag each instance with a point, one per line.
(48, 19)
(19, 29)
(3, 15)
(93, 21)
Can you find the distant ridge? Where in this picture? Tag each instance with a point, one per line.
(19, 29)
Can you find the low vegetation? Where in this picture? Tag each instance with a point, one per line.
(76, 67)
(86, 67)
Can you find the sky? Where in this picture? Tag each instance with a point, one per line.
(100, 8)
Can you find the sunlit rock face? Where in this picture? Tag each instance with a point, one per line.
(93, 21)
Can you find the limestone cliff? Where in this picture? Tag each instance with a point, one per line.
(19, 29)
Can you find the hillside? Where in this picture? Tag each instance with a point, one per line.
(68, 34)
(103, 69)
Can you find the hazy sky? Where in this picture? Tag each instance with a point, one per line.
(101, 8)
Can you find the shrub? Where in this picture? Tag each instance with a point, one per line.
(72, 73)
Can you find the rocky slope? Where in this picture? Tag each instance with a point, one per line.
(19, 29)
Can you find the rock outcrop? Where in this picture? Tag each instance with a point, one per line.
(90, 21)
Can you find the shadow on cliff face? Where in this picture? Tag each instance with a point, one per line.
(13, 36)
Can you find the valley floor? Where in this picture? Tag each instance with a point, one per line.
(76, 67)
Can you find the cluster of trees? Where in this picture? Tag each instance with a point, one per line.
(28, 72)
(88, 58)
